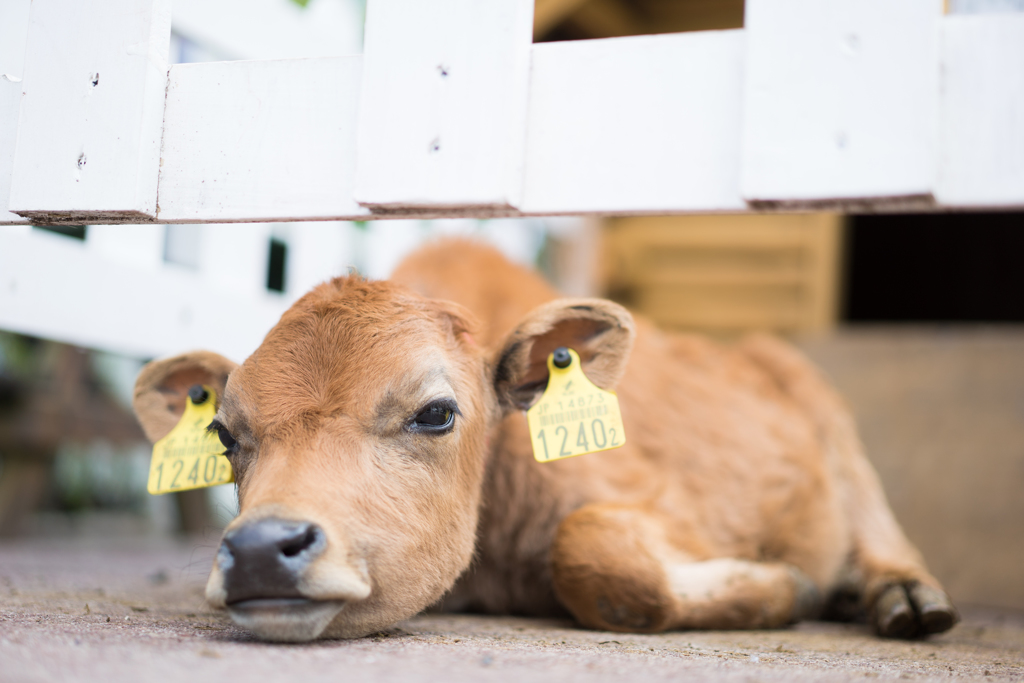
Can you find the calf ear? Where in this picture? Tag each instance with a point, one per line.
(600, 331)
(162, 387)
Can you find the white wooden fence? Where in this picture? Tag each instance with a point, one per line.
(860, 105)
(134, 290)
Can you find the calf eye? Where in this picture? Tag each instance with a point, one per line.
(224, 435)
(436, 418)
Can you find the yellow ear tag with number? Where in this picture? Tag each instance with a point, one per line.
(574, 416)
(190, 457)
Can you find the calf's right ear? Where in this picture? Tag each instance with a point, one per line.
(162, 388)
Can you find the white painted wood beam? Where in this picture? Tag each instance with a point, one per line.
(982, 127)
(840, 101)
(91, 116)
(443, 104)
(648, 124)
(261, 141)
(680, 123)
(141, 310)
(13, 34)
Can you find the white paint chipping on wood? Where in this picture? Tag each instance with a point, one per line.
(443, 105)
(982, 129)
(91, 117)
(13, 34)
(261, 141)
(840, 100)
(628, 125)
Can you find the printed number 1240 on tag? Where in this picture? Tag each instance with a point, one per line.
(574, 416)
(190, 457)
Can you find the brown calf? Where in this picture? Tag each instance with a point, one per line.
(383, 466)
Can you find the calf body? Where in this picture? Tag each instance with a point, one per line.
(384, 465)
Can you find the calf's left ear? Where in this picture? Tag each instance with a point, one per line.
(162, 388)
(600, 331)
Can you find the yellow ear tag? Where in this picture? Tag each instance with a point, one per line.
(574, 416)
(190, 457)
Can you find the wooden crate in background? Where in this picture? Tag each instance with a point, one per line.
(727, 274)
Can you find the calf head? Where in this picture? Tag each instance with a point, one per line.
(358, 435)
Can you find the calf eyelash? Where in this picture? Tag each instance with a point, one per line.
(226, 439)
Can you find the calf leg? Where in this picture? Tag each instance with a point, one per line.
(623, 569)
(901, 597)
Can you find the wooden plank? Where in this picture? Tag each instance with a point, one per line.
(840, 100)
(136, 246)
(774, 231)
(824, 274)
(141, 311)
(730, 276)
(649, 124)
(443, 106)
(317, 252)
(91, 117)
(982, 127)
(735, 310)
(729, 273)
(13, 33)
(642, 124)
(261, 141)
(249, 246)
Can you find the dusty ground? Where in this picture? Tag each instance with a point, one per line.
(132, 610)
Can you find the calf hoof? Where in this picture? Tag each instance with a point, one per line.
(913, 611)
(935, 612)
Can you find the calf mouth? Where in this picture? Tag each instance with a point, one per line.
(286, 620)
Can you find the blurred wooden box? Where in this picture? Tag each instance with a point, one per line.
(727, 274)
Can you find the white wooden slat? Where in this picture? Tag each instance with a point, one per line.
(982, 128)
(234, 257)
(57, 288)
(91, 117)
(317, 252)
(443, 105)
(387, 243)
(183, 244)
(139, 246)
(651, 124)
(260, 141)
(644, 124)
(13, 33)
(840, 99)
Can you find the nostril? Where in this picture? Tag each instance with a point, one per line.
(268, 558)
(301, 542)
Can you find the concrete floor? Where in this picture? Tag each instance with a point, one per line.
(132, 610)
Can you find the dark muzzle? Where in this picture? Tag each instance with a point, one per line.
(267, 558)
